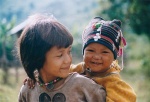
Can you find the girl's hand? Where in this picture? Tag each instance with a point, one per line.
(29, 82)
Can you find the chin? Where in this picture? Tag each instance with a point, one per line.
(64, 75)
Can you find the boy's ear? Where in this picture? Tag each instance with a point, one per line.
(100, 18)
(83, 55)
(118, 22)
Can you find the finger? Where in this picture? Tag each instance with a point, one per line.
(33, 84)
(24, 81)
(28, 81)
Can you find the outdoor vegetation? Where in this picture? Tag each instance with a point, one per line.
(75, 15)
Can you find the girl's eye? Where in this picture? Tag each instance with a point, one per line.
(69, 52)
(59, 55)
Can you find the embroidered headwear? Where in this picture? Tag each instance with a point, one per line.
(104, 32)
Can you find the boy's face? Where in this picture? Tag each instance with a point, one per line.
(57, 63)
(98, 57)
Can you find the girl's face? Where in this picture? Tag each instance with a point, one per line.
(98, 57)
(57, 63)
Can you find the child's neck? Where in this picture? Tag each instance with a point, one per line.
(91, 74)
(95, 74)
(46, 78)
(49, 83)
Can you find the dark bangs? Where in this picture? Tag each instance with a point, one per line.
(37, 39)
(58, 36)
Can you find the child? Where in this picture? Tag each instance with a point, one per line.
(44, 50)
(102, 42)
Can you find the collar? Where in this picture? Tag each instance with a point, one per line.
(114, 69)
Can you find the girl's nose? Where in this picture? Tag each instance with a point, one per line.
(68, 58)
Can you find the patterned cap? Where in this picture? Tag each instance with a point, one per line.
(107, 33)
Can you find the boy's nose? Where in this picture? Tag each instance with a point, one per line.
(97, 56)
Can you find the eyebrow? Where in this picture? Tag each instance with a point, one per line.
(64, 47)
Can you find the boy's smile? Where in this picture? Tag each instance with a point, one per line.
(98, 57)
(96, 63)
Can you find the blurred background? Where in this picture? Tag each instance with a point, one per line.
(75, 15)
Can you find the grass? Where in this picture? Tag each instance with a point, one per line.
(141, 85)
(9, 92)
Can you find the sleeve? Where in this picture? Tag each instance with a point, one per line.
(116, 89)
(21, 97)
(77, 68)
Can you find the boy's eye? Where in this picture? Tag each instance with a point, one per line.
(105, 52)
(90, 50)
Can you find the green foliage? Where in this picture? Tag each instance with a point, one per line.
(6, 41)
(139, 83)
(9, 92)
(77, 44)
(139, 16)
(132, 12)
(138, 56)
(137, 68)
(113, 9)
(146, 66)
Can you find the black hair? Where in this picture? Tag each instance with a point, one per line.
(39, 36)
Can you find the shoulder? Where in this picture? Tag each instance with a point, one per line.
(121, 88)
(77, 67)
(24, 89)
(115, 79)
(28, 95)
(114, 85)
(23, 92)
(76, 76)
(84, 81)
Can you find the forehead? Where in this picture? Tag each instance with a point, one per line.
(96, 45)
(56, 49)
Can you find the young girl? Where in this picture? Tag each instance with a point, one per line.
(44, 50)
(102, 43)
